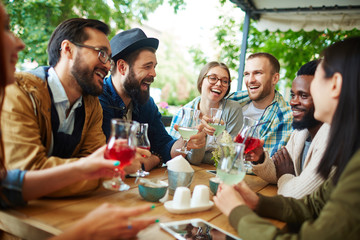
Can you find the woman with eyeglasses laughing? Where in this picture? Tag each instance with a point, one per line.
(214, 85)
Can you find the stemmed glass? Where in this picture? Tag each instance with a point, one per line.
(144, 143)
(217, 123)
(230, 169)
(249, 135)
(188, 126)
(122, 147)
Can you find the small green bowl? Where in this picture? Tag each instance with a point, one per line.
(152, 194)
(213, 184)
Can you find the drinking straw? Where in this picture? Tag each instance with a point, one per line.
(255, 126)
(224, 104)
(233, 163)
(247, 133)
(266, 109)
(260, 119)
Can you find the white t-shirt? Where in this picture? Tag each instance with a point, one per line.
(250, 111)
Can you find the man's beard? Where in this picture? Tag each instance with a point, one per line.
(85, 78)
(265, 92)
(308, 121)
(132, 88)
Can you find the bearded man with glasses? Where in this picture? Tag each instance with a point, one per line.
(51, 115)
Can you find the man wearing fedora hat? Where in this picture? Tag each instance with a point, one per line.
(127, 94)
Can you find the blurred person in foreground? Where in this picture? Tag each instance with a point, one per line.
(214, 85)
(333, 210)
(51, 116)
(17, 186)
(294, 167)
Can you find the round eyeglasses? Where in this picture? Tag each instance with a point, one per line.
(213, 79)
(103, 56)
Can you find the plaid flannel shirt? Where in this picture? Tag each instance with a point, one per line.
(278, 131)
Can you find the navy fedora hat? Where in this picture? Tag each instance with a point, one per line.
(130, 40)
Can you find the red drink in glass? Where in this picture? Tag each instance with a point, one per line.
(122, 153)
(250, 143)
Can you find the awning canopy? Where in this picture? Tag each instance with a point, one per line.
(295, 15)
(308, 15)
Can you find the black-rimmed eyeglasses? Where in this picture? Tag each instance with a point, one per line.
(103, 56)
(213, 79)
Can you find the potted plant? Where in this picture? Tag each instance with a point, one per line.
(166, 116)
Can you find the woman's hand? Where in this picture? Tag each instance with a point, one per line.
(96, 166)
(250, 198)
(227, 198)
(110, 222)
(209, 130)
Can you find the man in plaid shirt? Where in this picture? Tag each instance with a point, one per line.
(263, 103)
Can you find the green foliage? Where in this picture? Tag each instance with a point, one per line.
(230, 46)
(177, 4)
(292, 49)
(198, 56)
(34, 20)
(174, 73)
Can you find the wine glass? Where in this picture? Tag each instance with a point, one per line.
(231, 169)
(249, 135)
(144, 143)
(188, 126)
(217, 123)
(122, 147)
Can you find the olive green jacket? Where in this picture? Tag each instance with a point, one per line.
(328, 213)
(27, 132)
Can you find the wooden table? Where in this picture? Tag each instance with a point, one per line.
(43, 218)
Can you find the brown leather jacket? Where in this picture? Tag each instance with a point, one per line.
(27, 132)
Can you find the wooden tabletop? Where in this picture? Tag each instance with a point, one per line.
(43, 218)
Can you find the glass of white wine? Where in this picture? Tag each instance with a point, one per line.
(188, 126)
(231, 168)
(218, 124)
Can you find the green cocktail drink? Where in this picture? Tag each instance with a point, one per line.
(187, 132)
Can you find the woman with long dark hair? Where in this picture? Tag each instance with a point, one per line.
(333, 211)
(17, 187)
